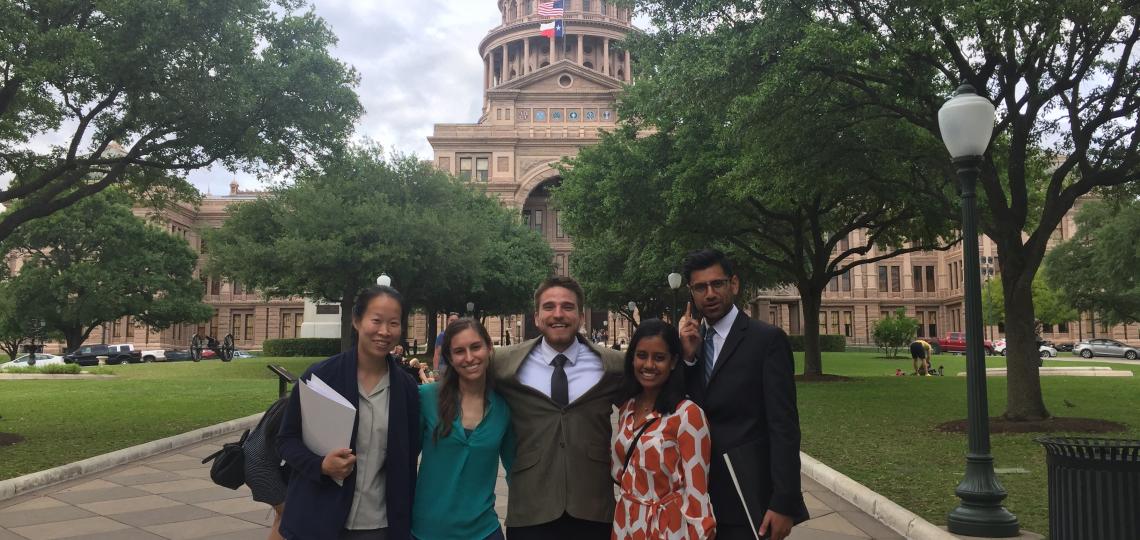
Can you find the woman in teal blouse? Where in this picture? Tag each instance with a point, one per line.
(466, 429)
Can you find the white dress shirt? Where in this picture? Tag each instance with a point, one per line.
(583, 368)
(720, 332)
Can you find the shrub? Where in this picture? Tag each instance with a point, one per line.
(301, 347)
(893, 333)
(827, 343)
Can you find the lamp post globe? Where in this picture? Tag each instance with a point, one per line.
(966, 123)
(384, 280)
(470, 307)
(674, 280)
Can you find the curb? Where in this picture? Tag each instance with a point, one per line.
(22, 484)
(888, 512)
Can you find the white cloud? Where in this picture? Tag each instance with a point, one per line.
(419, 65)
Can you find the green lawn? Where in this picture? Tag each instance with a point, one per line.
(879, 429)
(65, 421)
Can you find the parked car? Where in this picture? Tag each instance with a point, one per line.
(41, 359)
(1044, 350)
(955, 342)
(178, 355)
(88, 355)
(238, 353)
(1105, 347)
(1065, 346)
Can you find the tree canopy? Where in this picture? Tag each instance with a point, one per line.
(724, 144)
(1064, 75)
(138, 92)
(357, 214)
(95, 263)
(1098, 269)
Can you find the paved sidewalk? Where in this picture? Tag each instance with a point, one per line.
(170, 496)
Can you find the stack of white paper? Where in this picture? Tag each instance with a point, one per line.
(326, 417)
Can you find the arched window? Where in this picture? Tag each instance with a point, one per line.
(588, 65)
(526, 7)
(514, 11)
(585, 6)
(604, 6)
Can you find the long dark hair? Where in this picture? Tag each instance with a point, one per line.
(674, 390)
(448, 399)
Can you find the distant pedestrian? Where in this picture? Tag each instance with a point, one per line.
(436, 364)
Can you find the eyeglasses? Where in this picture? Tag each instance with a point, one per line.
(717, 285)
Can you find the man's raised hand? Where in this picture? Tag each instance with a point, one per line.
(690, 332)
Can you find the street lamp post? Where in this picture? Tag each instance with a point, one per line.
(632, 306)
(675, 284)
(966, 122)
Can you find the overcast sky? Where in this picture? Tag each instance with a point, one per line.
(419, 65)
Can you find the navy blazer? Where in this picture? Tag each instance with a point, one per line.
(315, 507)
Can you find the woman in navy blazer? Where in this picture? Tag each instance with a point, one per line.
(316, 507)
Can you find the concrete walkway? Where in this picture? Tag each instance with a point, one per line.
(170, 496)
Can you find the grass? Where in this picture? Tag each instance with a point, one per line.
(68, 420)
(880, 429)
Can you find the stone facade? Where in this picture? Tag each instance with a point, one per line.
(928, 285)
(543, 99)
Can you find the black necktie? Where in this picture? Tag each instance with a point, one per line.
(559, 383)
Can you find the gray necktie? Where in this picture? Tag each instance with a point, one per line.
(709, 350)
(559, 383)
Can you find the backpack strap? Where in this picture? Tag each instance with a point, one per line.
(633, 446)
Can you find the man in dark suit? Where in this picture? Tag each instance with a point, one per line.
(740, 371)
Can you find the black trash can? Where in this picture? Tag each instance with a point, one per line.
(1094, 488)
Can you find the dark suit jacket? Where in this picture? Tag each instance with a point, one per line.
(750, 402)
(316, 506)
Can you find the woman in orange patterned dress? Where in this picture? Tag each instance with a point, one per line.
(661, 448)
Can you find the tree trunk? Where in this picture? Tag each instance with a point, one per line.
(346, 329)
(1023, 381)
(811, 298)
(74, 338)
(432, 331)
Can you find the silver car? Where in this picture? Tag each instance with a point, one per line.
(1105, 347)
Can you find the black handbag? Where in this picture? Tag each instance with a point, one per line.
(228, 469)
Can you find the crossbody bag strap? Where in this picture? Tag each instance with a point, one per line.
(632, 447)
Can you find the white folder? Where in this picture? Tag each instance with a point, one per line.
(740, 493)
(326, 417)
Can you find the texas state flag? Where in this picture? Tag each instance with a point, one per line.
(551, 29)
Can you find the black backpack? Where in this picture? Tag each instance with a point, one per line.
(266, 473)
(256, 448)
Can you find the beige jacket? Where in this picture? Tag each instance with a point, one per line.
(563, 459)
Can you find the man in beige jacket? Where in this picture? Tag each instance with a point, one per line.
(560, 388)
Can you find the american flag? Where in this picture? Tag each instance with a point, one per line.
(551, 9)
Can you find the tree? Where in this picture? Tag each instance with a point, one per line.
(1065, 77)
(141, 92)
(722, 144)
(1097, 269)
(357, 214)
(513, 261)
(993, 303)
(893, 333)
(94, 263)
(1049, 304)
(13, 330)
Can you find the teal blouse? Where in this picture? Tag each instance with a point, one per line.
(455, 489)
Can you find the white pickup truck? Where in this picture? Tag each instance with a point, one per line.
(146, 355)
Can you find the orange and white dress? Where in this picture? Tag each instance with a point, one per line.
(663, 495)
